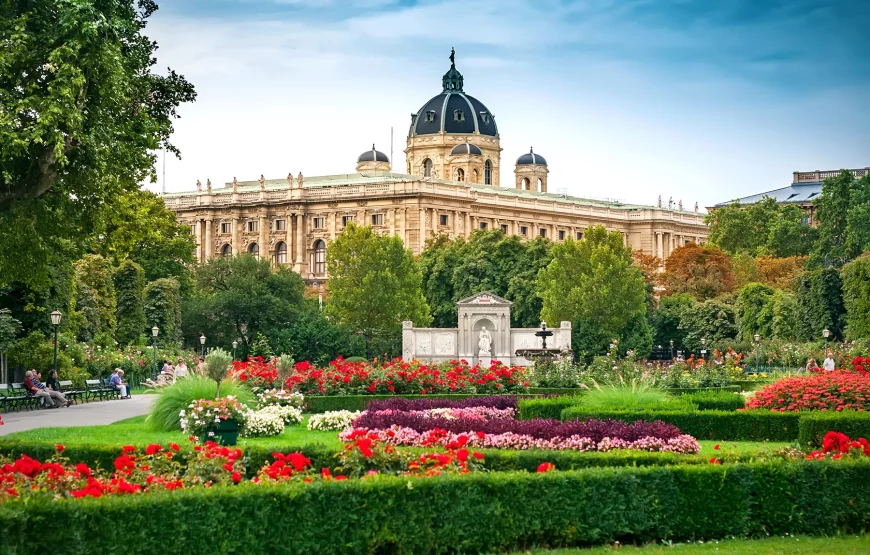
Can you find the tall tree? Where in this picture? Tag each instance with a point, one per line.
(130, 301)
(95, 297)
(843, 210)
(856, 297)
(81, 117)
(594, 284)
(780, 273)
(239, 297)
(764, 227)
(756, 304)
(163, 309)
(374, 284)
(713, 321)
(703, 272)
(820, 304)
(665, 320)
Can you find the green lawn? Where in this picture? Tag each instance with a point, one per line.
(790, 545)
(135, 431)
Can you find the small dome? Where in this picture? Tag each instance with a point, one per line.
(466, 148)
(372, 156)
(530, 159)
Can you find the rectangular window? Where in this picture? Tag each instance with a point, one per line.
(319, 222)
(430, 116)
(226, 227)
(458, 115)
(485, 117)
(280, 225)
(561, 234)
(193, 229)
(543, 232)
(346, 220)
(377, 219)
(504, 229)
(805, 221)
(579, 235)
(443, 219)
(482, 225)
(524, 231)
(253, 226)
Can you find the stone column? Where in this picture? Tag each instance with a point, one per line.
(422, 228)
(209, 248)
(391, 213)
(435, 221)
(197, 234)
(300, 241)
(659, 248)
(403, 225)
(454, 225)
(237, 235)
(467, 224)
(288, 240)
(264, 238)
(332, 225)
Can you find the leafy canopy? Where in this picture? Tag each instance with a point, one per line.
(701, 271)
(763, 228)
(81, 118)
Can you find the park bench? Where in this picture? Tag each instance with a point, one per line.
(66, 387)
(112, 392)
(27, 400)
(11, 399)
(95, 390)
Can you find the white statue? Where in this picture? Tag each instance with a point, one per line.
(680, 205)
(484, 343)
(696, 206)
(235, 185)
(262, 183)
(208, 185)
(199, 185)
(660, 201)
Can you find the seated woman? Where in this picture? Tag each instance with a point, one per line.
(116, 382)
(181, 369)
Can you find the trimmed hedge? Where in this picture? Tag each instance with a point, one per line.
(317, 404)
(544, 408)
(709, 424)
(814, 425)
(486, 512)
(716, 400)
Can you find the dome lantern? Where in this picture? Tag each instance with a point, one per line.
(373, 161)
(531, 171)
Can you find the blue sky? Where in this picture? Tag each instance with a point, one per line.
(696, 99)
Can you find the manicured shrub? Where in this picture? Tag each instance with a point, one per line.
(484, 512)
(172, 399)
(708, 424)
(832, 391)
(716, 400)
(813, 426)
(545, 408)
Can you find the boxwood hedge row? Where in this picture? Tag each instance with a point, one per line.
(814, 425)
(484, 512)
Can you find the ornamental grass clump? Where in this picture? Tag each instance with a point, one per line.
(173, 399)
(631, 396)
(217, 361)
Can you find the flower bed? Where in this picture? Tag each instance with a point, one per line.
(398, 377)
(400, 404)
(336, 420)
(828, 391)
(203, 416)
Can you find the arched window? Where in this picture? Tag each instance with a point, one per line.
(281, 253)
(254, 249)
(525, 186)
(460, 174)
(475, 176)
(540, 185)
(427, 168)
(226, 250)
(319, 257)
(487, 173)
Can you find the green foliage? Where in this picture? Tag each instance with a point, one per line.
(163, 309)
(756, 302)
(232, 292)
(374, 283)
(785, 315)
(704, 272)
(83, 116)
(815, 424)
(707, 424)
(217, 364)
(764, 227)
(665, 321)
(172, 399)
(35, 352)
(633, 396)
(716, 400)
(130, 302)
(819, 296)
(562, 373)
(260, 347)
(314, 338)
(843, 211)
(856, 297)
(10, 328)
(594, 284)
(714, 320)
(458, 513)
(550, 407)
(487, 261)
(95, 296)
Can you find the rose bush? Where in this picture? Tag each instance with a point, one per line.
(827, 391)
(836, 445)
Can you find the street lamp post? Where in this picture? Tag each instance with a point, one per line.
(672, 349)
(202, 342)
(757, 340)
(154, 332)
(55, 321)
(235, 344)
(704, 349)
(826, 333)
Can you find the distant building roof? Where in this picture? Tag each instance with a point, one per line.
(805, 188)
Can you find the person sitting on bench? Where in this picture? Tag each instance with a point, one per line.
(52, 399)
(116, 382)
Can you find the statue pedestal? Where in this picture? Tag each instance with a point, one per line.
(484, 361)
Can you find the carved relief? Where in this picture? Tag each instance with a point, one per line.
(424, 343)
(444, 344)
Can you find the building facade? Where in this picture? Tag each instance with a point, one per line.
(453, 161)
(804, 189)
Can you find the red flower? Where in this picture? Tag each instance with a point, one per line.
(236, 477)
(546, 467)
(153, 449)
(477, 455)
(714, 460)
(128, 449)
(462, 455)
(174, 447)
(83, 469)
(716, 447)
(59, 448)
(340, 478)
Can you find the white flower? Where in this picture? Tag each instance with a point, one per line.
(332, 420)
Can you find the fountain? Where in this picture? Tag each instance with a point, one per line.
(543, 354)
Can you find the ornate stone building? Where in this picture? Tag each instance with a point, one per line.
(453, 163)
